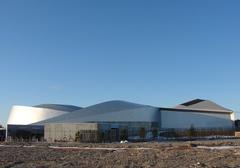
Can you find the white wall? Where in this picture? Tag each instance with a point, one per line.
(184, 119)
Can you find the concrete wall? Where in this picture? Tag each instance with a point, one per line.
(184, 120)
(65, 131)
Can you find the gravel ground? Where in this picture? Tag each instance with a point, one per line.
(163, 154)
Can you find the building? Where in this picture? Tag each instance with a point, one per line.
(116, 120)
(2, 134)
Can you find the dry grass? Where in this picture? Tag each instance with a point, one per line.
(167, 154)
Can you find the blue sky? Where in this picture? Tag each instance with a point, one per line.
(154, 52)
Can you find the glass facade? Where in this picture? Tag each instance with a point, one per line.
(2, 134)
(128, 130)
(25, 132)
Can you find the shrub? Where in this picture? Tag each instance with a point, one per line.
(154, 132)
(142, 133)
(77, 136)
(192, 131)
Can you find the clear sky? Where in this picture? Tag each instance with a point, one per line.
(160, 53)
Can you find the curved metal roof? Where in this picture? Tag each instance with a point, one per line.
(109, 106)
(24, 115)
(107, 109)
(116, 110)
(60, 107)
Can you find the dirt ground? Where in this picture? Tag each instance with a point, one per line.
(161, 154)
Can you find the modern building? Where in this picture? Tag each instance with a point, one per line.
(116, 119)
